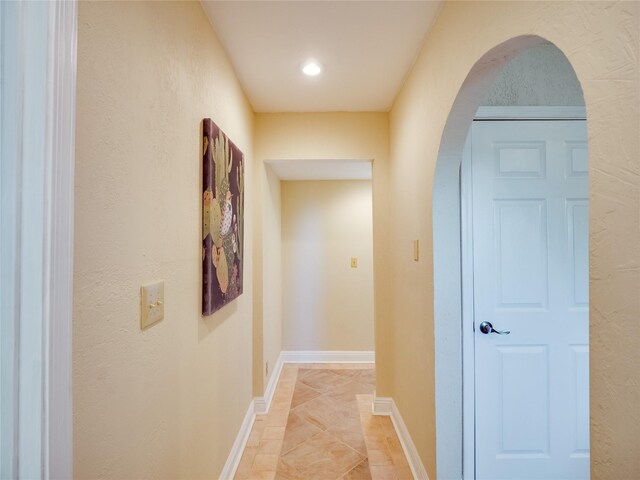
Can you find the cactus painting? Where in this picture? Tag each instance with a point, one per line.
(222, 218)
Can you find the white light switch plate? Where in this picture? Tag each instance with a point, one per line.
(151, 303)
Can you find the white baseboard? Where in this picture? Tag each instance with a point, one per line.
(382, 405)
(330, 356)
(262, 404)
(233, 460)
(386, 406)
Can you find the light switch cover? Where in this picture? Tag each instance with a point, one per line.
(151, 304)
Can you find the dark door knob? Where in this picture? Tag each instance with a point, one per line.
(487, 328)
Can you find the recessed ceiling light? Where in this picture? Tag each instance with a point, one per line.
(311, 68)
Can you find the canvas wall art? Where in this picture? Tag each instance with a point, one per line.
(222, 218)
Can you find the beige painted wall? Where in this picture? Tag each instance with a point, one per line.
(272, 274)
(601, 42)
(343, 135)
(326, 304)
(540, 75)
(166, 402)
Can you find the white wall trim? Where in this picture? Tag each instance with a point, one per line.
(382, 405)
(466, 269)
(61, 128)
(531, 113)
(233, 460)
(332, 356)
(386, 406)
(37, 128)
(263, 404)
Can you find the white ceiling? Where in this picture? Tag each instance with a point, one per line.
(321, 169)
(366, 47)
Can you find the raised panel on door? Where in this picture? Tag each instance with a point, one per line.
(580, 400)
(578, 232)
(524, 408)
(530, 274)
(520, 245)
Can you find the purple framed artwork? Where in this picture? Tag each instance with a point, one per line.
(222, 218)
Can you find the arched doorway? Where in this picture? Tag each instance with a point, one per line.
(488, 409)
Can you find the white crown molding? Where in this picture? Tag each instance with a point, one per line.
(386, 406)
(531, 113)
(327, 356)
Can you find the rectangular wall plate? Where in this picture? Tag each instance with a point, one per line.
(354, 262)
(416, 250)
(151, 304)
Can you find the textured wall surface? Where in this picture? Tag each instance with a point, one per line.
(326, 304)
(540, 75)
(166, 402)
(272, 274)
(303, 136)
(601, 42)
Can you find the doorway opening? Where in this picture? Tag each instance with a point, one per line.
(520, 86)
(320, 234)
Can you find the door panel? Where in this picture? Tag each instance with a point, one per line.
(530, 263)
(520, 244)
(581, 407)
(527, 367)
(578, 228)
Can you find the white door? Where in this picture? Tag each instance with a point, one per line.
(531, 278)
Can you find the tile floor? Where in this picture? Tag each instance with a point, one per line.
(320, 427)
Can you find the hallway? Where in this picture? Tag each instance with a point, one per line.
(320, 426)
(111, 367)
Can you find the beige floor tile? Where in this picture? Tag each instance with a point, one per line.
(404, 473)
(367, 376)
(320, 427)
(379, 457)
(374, 442)
(323, 457)
(298, 430)
(264, 462)
(359, 472)
(262, 475)
(273, 433)
(246, 461)
(302, 394)
(277, 420)
(386, 472)
(348, 372)
(324, 380)
(350, 435)
(287, 472)
(270, 446)
(256, 431)
(325, 411)
(349, 390)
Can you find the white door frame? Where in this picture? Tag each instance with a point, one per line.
(37, 128)
(466, 253)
